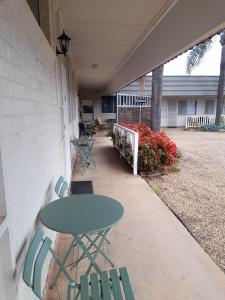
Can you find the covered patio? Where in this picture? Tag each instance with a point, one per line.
(41, 90)
(162, 258)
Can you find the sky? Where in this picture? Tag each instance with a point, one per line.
(209, 66)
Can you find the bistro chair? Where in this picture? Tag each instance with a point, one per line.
(106, 286)
(84, 131)
(59, 184)
(85, 156)
(61, 187)
(64, 190)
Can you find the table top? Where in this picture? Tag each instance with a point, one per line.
(83, 142)
(83, 213)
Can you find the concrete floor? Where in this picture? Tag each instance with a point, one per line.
(163, 260)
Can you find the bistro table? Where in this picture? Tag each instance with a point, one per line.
(87, 216)
(83, 143)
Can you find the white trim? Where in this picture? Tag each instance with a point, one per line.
(151, 26)
(3, 225)
(201, 120)
(136, 106)
(134, 146)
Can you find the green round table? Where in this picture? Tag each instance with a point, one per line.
(80, 214)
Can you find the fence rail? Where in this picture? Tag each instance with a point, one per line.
(133, 100)
(201, 120)
(126, 142)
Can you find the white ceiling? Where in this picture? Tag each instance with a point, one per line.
(106, 32)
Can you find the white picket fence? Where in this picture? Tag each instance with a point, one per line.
(201, 120)
(126, 142)
(126, 100)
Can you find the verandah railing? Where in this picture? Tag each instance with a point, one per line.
(129, 100)
(126, 142)
(133, 108)
(201, 120)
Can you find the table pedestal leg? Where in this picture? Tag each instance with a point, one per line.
(63, 262)
(100, 251)
(93, 243)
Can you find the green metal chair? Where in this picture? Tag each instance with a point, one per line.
(62, 187)
(107, 286)
(59, 184)
(85, 156)
(34, 261)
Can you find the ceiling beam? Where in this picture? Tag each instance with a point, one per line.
(186, 24)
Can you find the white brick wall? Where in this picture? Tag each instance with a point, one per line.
(29, 121)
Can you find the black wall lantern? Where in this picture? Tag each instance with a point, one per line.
(64, 44)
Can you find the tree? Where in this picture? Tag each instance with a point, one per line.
(194, 59)
(221, 83)
(157, 81)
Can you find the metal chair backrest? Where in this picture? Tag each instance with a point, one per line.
(59, 184)
(39, 248)
(34, 261)
(82, 128)
(63, 189)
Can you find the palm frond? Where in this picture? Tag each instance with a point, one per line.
(197, 54)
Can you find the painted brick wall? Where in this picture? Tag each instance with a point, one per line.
(133, 115)
(29, 122)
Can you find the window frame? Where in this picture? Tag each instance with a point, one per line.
(88, 108)
(187, 102)
(112, 107)
(180, 109)
(213, 104)
(35, 8)
(41, 14)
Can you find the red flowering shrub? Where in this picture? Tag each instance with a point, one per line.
(155, 150)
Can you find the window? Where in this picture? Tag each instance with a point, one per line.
(88, 109)
(34, 6)
(108, 104)
(182, 108)
(40, 10)
(191, 107)
(209, 107)
(187, 108)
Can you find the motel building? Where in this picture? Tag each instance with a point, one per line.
(43, 91)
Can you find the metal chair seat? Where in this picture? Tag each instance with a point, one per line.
(106, 286)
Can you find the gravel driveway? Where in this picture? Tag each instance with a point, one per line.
(196, 194)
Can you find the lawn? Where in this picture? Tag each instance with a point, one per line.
(195, 190)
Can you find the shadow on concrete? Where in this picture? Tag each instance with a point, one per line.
(111, 158)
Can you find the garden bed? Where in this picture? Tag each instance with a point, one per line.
(156, 151)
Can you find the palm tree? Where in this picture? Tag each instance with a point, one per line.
(194, 59)
(157, 81)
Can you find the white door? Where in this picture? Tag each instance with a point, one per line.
(164, 111)
(172, 113)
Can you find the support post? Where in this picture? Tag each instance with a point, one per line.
(135, 154)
